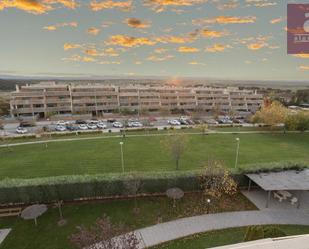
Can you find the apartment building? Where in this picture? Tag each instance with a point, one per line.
(49, 98)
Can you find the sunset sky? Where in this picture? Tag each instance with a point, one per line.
(235, 39)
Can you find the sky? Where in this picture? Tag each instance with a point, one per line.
(235, 39)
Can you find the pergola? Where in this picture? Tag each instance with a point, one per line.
(293, 180)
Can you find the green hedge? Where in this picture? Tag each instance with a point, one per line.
(89, 186)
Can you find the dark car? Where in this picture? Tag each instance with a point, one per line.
(80, 122)
(72, 127)
(111, 120)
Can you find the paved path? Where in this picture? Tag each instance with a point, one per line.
(139, 135)
(180, 228)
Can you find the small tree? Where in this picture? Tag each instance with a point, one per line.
(260, 232)
(104, 235)
(133, 187)
(203, 128)
(271, 114)
(175, 144)
(216, 180)
(4, 106)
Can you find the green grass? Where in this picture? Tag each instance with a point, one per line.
(223, 237)
(48, 235)
(147, 154)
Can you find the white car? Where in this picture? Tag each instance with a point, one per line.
(137, 124)
(174, 122)
(92, 126)
(62, 123)
(117, 125)
(101, 125)
(83, 127)
(21, 130)
(61, 128)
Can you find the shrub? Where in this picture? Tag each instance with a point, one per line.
(260, 232)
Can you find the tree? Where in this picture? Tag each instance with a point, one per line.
(271, 114)
(216, 180)
(133, 187)
(175, 144)
(203, 128)
(42, 133)
(104, 235)
(260, 232)
(4, 107)
(298, 122)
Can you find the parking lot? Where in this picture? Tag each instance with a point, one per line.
(111, 124)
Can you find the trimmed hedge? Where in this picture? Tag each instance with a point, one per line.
(74, 187)
(69, 188)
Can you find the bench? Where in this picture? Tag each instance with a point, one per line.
(5, 212)
(278, 196)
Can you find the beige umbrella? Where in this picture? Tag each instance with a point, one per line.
(33, 212)
(175, 194)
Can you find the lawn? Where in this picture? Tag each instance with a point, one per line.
(48, 235)
(223, 237)
(147, 154)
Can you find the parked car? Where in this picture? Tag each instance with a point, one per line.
(183, 121)
(80, 122)
(21, 130)
(71, 127)
(101, 125)
(212, 122)
(137, 124)
(174, 122)
(83, 127)
(92, 126)
(60, 128)
(117, 125)
(111, 120)
(62, 123)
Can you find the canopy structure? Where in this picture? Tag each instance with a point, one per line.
(294, 180)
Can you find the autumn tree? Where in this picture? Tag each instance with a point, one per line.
(203, 128)
(215, 180)
(298, 122)
(4, 107)
(271, 114)
(104, 235)
(175, 144)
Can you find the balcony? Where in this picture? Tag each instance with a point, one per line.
(27, 94)
(58, 93)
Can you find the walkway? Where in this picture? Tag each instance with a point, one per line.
(164, 232)
(138, 135)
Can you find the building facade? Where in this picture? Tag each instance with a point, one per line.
(48, 98)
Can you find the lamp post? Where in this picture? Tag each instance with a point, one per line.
(208, 205)
(237, 151)
(122, 161)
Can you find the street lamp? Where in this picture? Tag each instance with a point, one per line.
(237, 151)
(121, 151)
(208, 205)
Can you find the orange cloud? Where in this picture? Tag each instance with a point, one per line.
(35, 6)
(129, 41)
(276, 20)
(160, 5)
(217, 48)
(93, 31)
(160, 50)
(195, 63)
(212, 33)
(260, 3)
(175, 39)
(110, 4)
(226, 20)
(68, 46)
(30, 6)
(303, 56)
(71, 4)
(158, 58)
(59, 25)
(256, 46)
(304, 68)
(137, 23)
(79, 58)
(187, 49)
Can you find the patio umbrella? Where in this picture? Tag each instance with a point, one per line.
(33, 212)
(175, 194)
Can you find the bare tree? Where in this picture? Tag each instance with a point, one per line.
(203, 128)
(104, 235)
(133, 187)
(176, 144)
